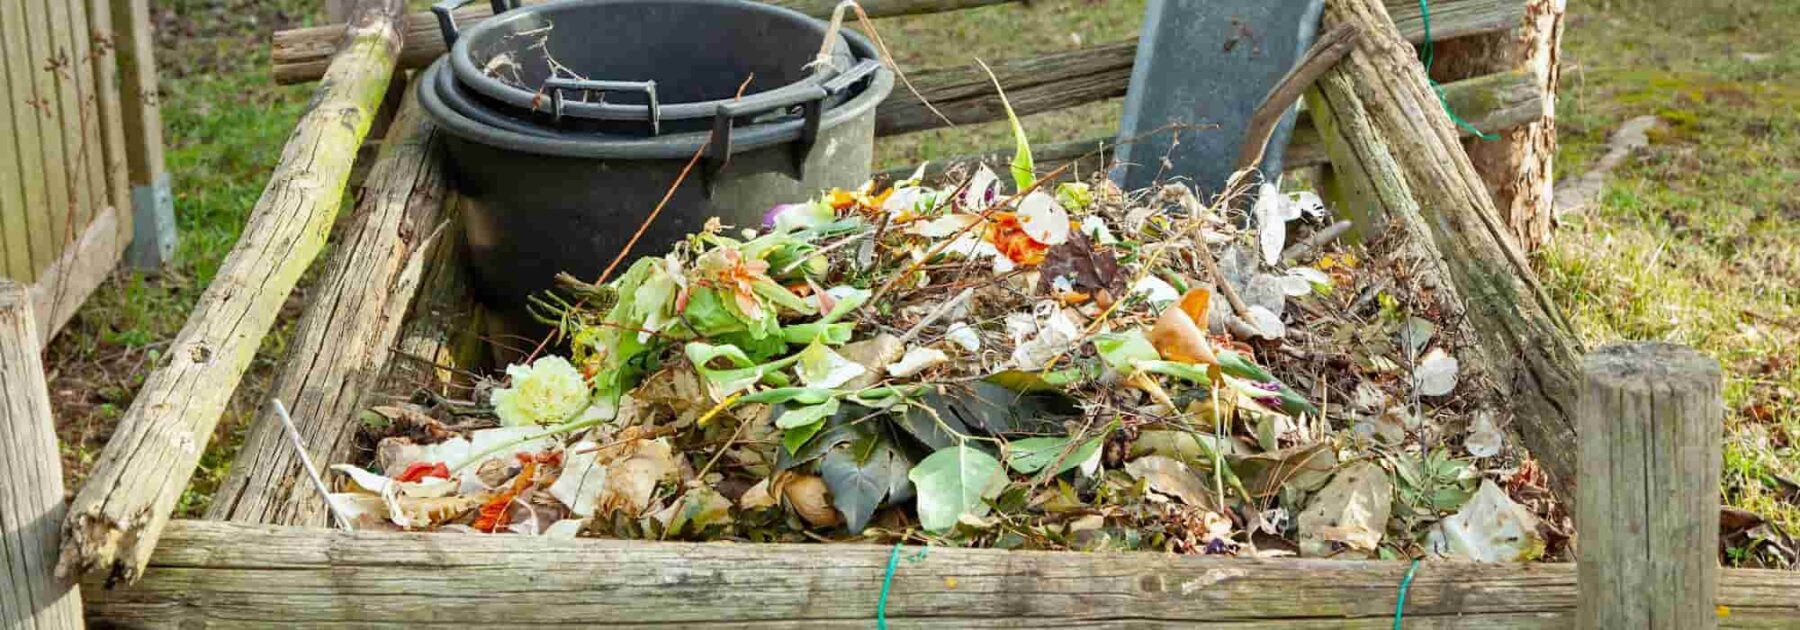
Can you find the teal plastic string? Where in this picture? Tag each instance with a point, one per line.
(1430, 56)
(887, 582)
(1405, 583)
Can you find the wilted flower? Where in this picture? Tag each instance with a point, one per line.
(548, 391)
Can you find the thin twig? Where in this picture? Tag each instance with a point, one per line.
(306, 463)
(939, 313)
(1325, 53)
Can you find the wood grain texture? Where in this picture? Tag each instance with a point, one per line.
(31, 489)
(299, 55)
(68, 109)
(18, 160)
(234, 575)
(1651, 422)
(105, 61)
(441, 344)
(1517, 164)
(1517, 330)
(116, 519)
(140, 104)
(83, 264)
(44, 133)
(343, 341)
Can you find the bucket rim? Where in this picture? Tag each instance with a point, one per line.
(464, 70)
(670, 146)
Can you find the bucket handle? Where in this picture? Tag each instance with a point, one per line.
(652, 110)
(446, 16)
(812, 108)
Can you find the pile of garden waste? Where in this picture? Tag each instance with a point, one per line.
(992, 361)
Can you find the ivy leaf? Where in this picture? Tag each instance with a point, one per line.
(1033, 454)
(796, 417)
(840, 428)
(863, 475)
(954, 482)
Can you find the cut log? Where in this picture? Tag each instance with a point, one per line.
(210, 573)
(343, 342)
(1652, 415)
(31, 487)
(1497, 101)
(115, 520)
(1397, 147)
(1516, 164)
(300, 55)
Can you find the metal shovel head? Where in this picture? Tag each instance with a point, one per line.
(1203, 67)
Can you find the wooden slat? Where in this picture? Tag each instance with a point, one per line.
(91, 148)
(31, 490)
(345, 339)
(118, 516)
(140, 107)
(300, 55)
(45, 135)
(83, 264)
(230, 574)
(1037, 84)
(14, 172)
(61, 65)
(112, 125)
(1494, 103)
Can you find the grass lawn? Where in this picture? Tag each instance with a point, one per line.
(1694, 243)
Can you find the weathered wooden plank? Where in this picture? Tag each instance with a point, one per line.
(1651, 419)
(1498, 102)
(14, 172)
(116, 519)
(140, 109)
(343, 342)
(1517, 164)
(441, 346)
(90, 150)
(31, 490)
(243, 575)
(84, 263)
(1481, 277)
(1037, 84)
(45, 135)
(299, 55)
(61, 65)
(112, 125)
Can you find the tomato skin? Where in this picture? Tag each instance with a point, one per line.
(420, 470)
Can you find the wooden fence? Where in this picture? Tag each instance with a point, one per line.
(78, 108)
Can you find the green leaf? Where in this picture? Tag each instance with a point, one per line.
(1023, 166)
(1033, 454)
(729, 381)
(796, 438)
(802, 395)
(780, 296)
(1122, 350)
(852, 299)
(954, 482)
(822, 367)
(863, 475)
(795, 417)
(828, 334)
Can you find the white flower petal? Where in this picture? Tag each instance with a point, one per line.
(915, 361)
(549, 391)
(1156, 291)
(1095, 228)
(981, 185)
(1043, 219)
(1436, 373)
(963, 336)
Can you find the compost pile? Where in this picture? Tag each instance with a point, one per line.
(1015, 364)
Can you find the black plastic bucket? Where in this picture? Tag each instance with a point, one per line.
(536, 201)
(636, 67)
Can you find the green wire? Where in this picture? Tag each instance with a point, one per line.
(887, 582)
(1399, 606)
(1430, 56)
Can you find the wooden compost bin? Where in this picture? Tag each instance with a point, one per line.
(392, 310)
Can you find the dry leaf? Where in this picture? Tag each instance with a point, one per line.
(808, 496)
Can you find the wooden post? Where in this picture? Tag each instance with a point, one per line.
(344, 340)
(1650, 426)
(140, 111)
(116, 519)
(31, 489)
(1390, 121)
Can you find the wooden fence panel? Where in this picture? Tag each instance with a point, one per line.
(65, 115)
(15, 262)
(39, 135)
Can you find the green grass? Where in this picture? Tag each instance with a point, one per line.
(1698, 241)
(1694, 243)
